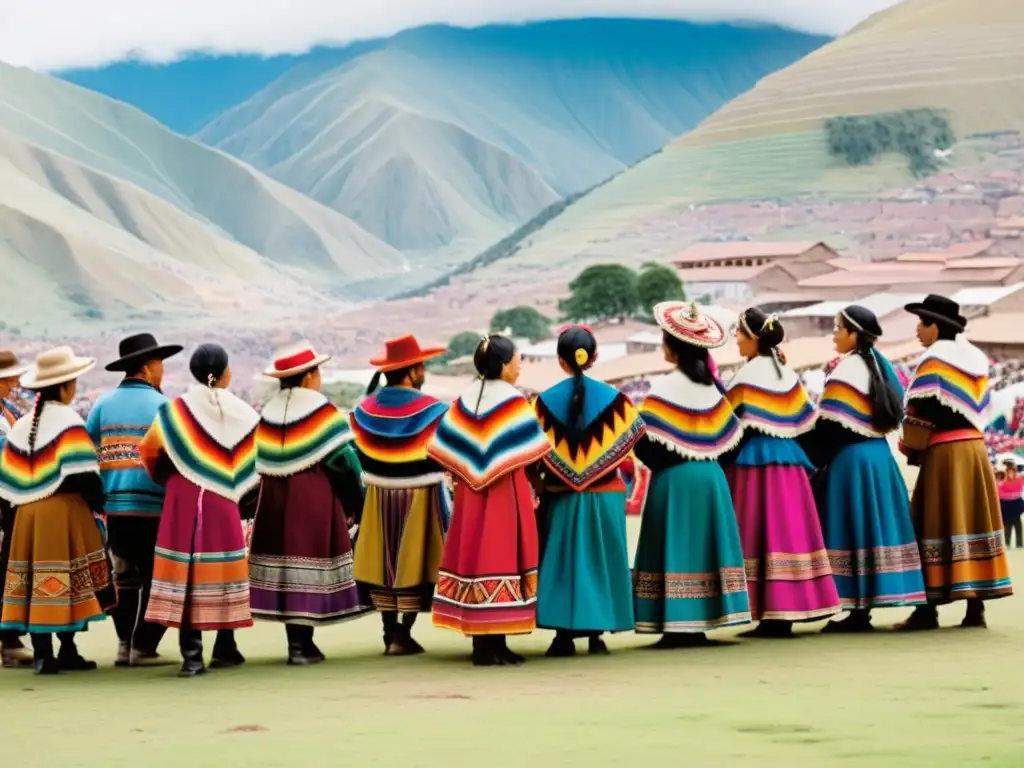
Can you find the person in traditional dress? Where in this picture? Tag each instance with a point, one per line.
(955, 506)
(12, 650)
(487, 585)
(300, 560)
(789, 578)
(861, 496)
(688, 576)
(202, 449)
(584, 587)
(58, 576)
(407, 508)
(117, 423)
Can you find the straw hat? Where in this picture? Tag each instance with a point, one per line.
(685, 322)
(10, 368)
(295, 359)
(56, 366)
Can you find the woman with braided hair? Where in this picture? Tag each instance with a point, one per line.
(861, 495)
(788, 573)
(202, 447)
(58, 578)
(488, 438)
(585, 586)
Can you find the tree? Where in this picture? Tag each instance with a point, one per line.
(658, 283)
(601, 292)
(462, 344)
(521, 322)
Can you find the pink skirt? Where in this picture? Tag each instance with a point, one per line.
(788, 573)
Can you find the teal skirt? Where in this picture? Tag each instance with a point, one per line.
(584, 584)
(689, 574)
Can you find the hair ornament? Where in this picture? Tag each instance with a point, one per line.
(769, 322)
(582, 357)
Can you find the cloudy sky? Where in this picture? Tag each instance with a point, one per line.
(49, 34)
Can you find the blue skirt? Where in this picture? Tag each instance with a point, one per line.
(689, 574)
(584, 584)
(865, 518)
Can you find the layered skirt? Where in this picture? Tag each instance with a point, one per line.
(584, 584)
(956, 514)
(789, 577)
(689, 574)
(401, 539)
(488, 579)
(200, 573)
(58, 576)
(865, 518)
(300, 559)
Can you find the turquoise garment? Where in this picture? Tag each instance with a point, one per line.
(865, 518)
(760, 450)
(689, 574)
(117, 423)
(584, 583)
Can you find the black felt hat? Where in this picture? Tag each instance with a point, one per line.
(939, 309)
(140, 349)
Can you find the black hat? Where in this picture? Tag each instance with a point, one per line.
(939, 309)
(862, 319)
(140, 349)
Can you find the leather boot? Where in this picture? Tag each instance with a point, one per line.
(225, 651)
(389, 620)
(296, 646)
(309, 647)
(68, 658)
(43, 662)
(190, 641)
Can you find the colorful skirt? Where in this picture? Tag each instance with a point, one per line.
(58, 576)
(865, 518)
(401, 539)
(689, 574)
(788, 573)
(200, 573)
(300, 560)
(487, 584)
(956, 514)
(584, 584)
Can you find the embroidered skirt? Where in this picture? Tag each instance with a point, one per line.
(300, 560)
(399, 547)
(864, 508)
(488, 579)
(58, 576)
(200, 573)
(584, 583)
(788, 573)
(955, 509)
(689, 573)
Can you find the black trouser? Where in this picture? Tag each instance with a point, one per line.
(1011, 524)
(8, 639)
(132, 545)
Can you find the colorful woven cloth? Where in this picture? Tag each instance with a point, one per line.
(210, 437)
(488, 433)
(298, 428)
(609, 428)
(395, 424)
(62, 448)
(694, 420)
(771, 400)
(956, 374)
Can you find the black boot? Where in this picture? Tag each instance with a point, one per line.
(190, 641)
(596, 646)
(43, 662)
(975, 617)
(484, 652)
(859, 620)
(562, 646)
(225, 651)
(296, 646)
(389, 620)
(68, 658)
(309, 647)
(505, 653)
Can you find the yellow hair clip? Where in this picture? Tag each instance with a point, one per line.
(581, 357)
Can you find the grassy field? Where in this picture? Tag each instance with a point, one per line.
(945, 698)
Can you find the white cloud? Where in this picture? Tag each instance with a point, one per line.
(50, 34)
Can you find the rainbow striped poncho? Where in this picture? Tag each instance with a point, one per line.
(694, 420)
(775, 405)
(488, 433)
(956, 374)
(209, 435)
(298, 429)
(62, 448)
(845, 398)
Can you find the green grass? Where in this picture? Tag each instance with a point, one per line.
(952, 697)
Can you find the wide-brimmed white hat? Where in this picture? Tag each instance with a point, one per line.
(56, 366)
(10, 368)
(294, 359)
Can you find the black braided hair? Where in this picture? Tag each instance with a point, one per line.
(570, 341)
(886, 403)
(48, 395)
(691, 360)
(492, 354)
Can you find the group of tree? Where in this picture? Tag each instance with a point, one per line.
(914, 133)
(607, 291)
